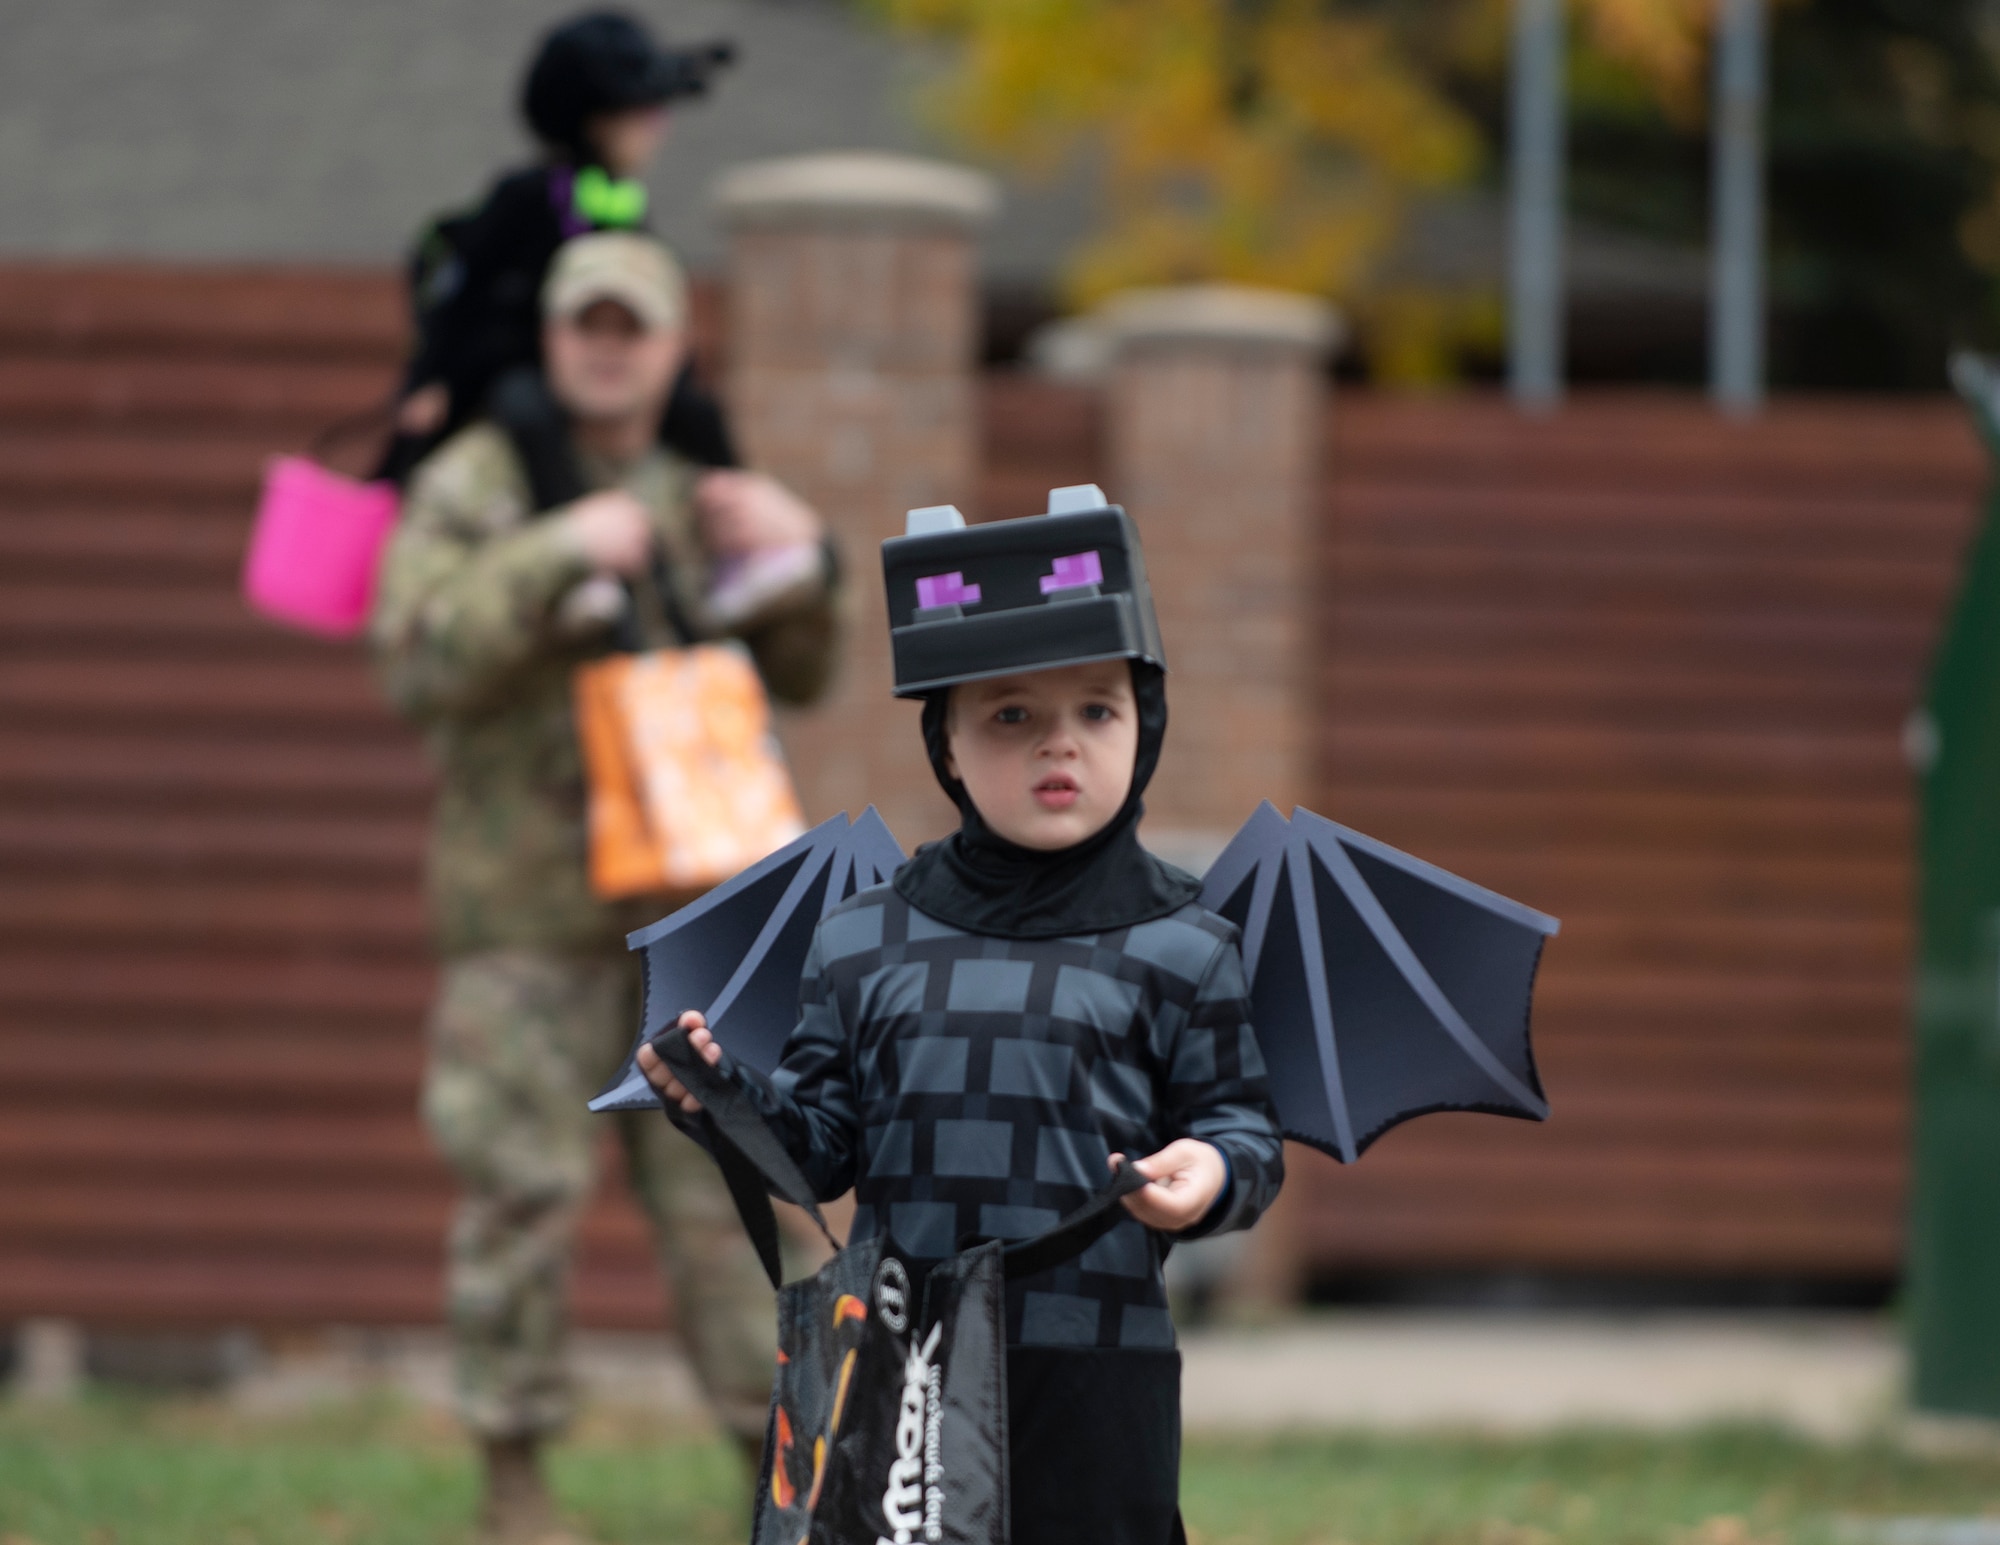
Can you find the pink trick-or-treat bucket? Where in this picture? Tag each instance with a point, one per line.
(316, 545)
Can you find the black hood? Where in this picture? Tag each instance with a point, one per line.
(607, 62)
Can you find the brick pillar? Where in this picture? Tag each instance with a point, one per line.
(1217, 399)
(1216, 403)
(852, 339)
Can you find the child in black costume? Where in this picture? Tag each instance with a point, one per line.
(1026, 1000)
(596, 97)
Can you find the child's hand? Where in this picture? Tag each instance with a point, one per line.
(1187, 1176)
(661, 1079)
(424, 411)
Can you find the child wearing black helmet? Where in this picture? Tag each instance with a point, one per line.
(1030, 998)
(596, 96)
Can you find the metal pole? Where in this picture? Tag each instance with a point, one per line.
(1736, 309)
(1535, 187)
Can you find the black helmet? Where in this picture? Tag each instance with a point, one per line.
(1017, 595)
(605, 62)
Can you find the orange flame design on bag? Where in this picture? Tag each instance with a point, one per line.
(819, 1473)
(840, 1389)
(783, 1492)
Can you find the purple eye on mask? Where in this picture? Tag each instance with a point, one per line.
(946, 590)
(1076, 570)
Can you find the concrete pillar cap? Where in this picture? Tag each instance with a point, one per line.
(858, 186)
(1224, 315)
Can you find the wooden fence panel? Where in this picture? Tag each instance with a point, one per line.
(213, 963)
(1637, 667)
(1648, 670)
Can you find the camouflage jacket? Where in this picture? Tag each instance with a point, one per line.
(482, 612)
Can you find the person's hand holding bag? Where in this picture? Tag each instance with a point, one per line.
(751, 512)
(1187, 1176)
(657, 1074)
(769, 545)
(613, 531)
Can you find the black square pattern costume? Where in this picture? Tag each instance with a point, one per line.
(973, 1087)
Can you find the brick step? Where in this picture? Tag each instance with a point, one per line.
(1634, 995)
(1736, 821)
(1851, 586)
(1589, 694)
(82, 837)
(1616, 756)
(165, 620)
(1638, 517)
(1696, 1038)
(1709, 1237)
(300, 313)
(334, 692)
(42, 1062)
(216, 1289)
(1830, 948)
(1666, 440)
(371, 1148)
(289, 400)
(1371, 629)
(358, 1224)
(1507, 1165)
(178, 547)
(231, 916)
(1780, 1059)
(141, 981)
(1701, 880)
(133, 466)
(391, 777)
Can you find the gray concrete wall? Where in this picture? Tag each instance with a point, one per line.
(330, 129)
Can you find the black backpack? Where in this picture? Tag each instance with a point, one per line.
(436, 265)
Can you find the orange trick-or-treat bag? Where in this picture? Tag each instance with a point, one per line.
(686, 782)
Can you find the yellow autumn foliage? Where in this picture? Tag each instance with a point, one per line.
(1273, 144)
(1270, 142)
(1664, 41)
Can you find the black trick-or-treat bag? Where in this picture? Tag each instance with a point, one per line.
(889, 1414)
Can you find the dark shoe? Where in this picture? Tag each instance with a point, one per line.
(516, 1508)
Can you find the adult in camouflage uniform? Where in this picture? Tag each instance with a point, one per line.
(484, 609)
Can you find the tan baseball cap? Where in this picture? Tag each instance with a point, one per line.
(634, 270)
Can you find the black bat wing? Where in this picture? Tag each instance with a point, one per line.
(1382, 988)
(737, 953)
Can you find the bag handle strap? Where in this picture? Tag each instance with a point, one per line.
(754, 1163)
(1078, 1231)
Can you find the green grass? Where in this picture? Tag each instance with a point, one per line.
(1721, 1486)
(120, 1471)
(176, 1472)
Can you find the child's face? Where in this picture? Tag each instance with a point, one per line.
(629, 140)
(1047, 756)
